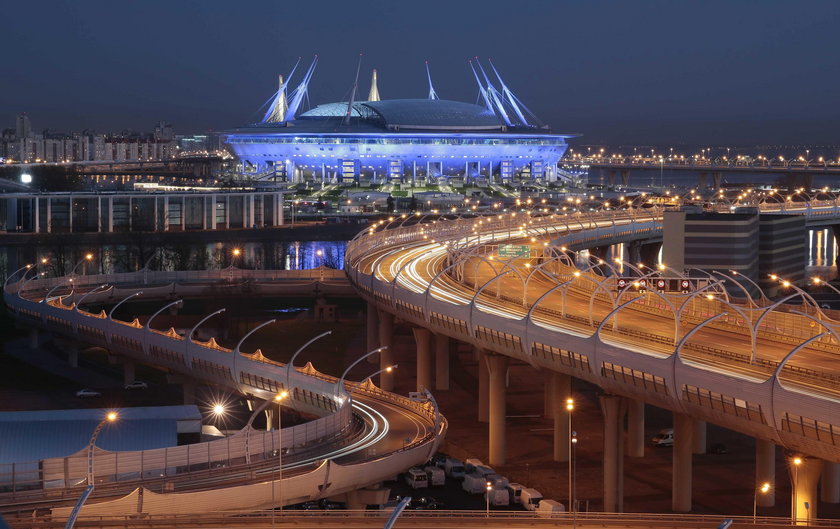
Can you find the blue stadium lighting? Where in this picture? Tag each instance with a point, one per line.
(400, 140)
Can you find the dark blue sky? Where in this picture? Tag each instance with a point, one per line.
(667, 72)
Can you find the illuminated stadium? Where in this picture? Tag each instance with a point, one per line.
(414, 141)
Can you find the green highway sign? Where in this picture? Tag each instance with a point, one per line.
(514, 250)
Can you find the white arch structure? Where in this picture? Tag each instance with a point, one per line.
(324, 457)
(765, 371)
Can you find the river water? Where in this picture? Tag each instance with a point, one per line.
(299, 255)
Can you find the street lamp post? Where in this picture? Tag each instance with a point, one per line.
(764, 489)
(570, 406)
(340, 384)
(574, 479)
(279, 400)
(489, 487)
(796, 462)
(109, 418)
(87, 257)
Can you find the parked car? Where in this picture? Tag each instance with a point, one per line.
(137, 384)
(88, 393)
(427, 503)
(664, 438)
(719, 448)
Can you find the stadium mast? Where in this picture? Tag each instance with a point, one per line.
(346, 119)
(432, 93)
(276, 112)
(506, 93)
(373, 95)
(300, 92)
(494, 95)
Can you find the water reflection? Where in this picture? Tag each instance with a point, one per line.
(822, 248)
(269, 255)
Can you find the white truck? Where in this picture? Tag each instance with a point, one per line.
(471, 464)
(497, 496)
(416, 478)
(497, 480)
(474, 483)
(549, 508)
(515, 491)
(436, 476)
(530, 499)
(454, 468)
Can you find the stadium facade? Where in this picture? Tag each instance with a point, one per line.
(413, 141)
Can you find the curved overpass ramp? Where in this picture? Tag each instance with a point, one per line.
(361, 435)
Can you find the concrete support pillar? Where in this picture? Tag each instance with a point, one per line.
(386, 357)
(804, 475)
(372, 331)
(830, 484)
(188, 387)
(129, 368)
(561, 389)
(423, 338)
(613, 407)
(699, 437)
(717, 178)
(635, 428)
(483, 386)
(110, 214)
(497, 366)
(682, 459)
(548, 395)
(765, 471)
(73, 355)
(441, 362)
(33, 338)
(212, 212)
(269, 419)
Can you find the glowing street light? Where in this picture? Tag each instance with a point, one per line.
(764, 489)
(489, 487)
(86, 258)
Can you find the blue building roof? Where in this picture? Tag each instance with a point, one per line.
(34, 435)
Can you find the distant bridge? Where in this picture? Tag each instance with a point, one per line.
(797, 173)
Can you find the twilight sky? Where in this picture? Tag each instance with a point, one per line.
(667, 72)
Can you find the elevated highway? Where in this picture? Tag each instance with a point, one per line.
(359, 437)
(768, 370)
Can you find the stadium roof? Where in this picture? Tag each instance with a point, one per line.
(413, 114)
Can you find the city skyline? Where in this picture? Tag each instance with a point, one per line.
(654, 72)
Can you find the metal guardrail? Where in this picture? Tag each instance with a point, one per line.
(425, 518)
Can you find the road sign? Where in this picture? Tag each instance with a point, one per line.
(514, 250)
